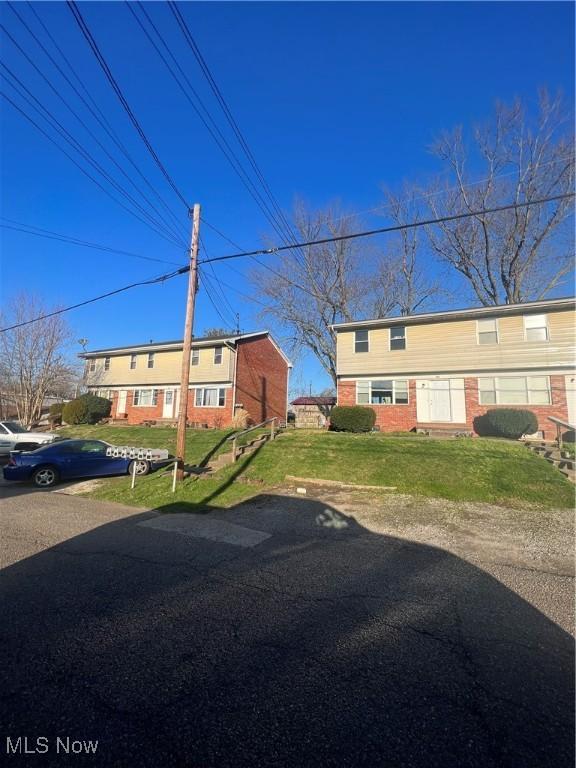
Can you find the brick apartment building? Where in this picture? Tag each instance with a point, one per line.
(442, 369)
(227, 373)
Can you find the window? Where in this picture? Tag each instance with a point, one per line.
(151, 360)
(195, 356)
(132, 362)
(514, 390)
(361, 341)
(94, 447)
(106, 363)
(487, 331)
(105, 393)
(92, 365)
(217, 355)
(398, 337)
(383, 392)
(168, 396)
(210, 397)
(536, 327)
(145, 397)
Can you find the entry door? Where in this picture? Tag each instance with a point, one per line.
(168, 410)
(121, 402)
(440, 407)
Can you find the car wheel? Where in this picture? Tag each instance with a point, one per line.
(142, 467)
(45, 477)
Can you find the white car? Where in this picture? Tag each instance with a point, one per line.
(14, 437)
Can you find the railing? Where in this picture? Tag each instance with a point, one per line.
(234, 438)
(560, 423)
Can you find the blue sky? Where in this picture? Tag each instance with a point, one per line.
(335, 100)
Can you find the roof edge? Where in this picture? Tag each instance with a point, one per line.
(439, 316)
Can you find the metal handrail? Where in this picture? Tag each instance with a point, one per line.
(559, 423)
(234, 438)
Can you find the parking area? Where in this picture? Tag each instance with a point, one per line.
(326, 629)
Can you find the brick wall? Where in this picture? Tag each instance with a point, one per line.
(261, 379)
(558, 408)
(213, 417)
(403, 417)
(389, 418)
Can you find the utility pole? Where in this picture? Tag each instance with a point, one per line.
(188, 328)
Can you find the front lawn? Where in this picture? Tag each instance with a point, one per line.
(494, 471)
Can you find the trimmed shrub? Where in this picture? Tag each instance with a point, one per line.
(352, 418)
(506, 422)
(75, 412)
(55, 413)
(86, 409)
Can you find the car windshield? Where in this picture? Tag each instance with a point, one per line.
(14, 427)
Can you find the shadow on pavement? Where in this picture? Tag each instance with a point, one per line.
(324, 645)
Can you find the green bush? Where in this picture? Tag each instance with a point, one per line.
(352, 418)
(75, 412)
(506, 422)
(55, 413)
(86, 409)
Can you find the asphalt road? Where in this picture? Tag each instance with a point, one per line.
(282, 633)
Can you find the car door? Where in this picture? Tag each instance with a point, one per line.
(87, 458)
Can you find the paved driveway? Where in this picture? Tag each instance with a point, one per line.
(290, 631)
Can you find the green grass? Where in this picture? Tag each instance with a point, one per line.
(199, 442)
(483, 470)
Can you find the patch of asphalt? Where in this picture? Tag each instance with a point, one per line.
(328, 644)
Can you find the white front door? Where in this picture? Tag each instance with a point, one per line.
(168, 410)
(121, 409)
(440, 406)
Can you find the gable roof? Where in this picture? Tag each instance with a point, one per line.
(312, 400)
(568, 302)
(166, 346)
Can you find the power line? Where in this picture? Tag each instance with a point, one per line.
(228, 114)
(61, 131)
(99, 115)
(207, 120)
(117, 90)
(272, 251)
(28, 229)
(395, 228)
(152, 281)
(208, 288)
(168, 226)
(80, 167)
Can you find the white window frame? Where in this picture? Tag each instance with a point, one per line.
(364, 341)
(390, 340)
(496, 389)
(195, 360)
(479, 332)
(528, 328)
(218, 352)
(106, 363)
(137, 397)
(132, 362)
(221, 394)
(92, 365)
(150, 360)
(369, 382)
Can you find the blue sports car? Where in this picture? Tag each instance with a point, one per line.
(67, 459)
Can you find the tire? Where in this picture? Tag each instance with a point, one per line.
(45, 477)
(142, 467)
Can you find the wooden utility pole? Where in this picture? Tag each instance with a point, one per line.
(188, 328)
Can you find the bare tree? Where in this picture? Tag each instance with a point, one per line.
(520, 254)
(32, 358)
(312, 287)
(212, 333)
(400, 274)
